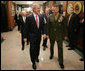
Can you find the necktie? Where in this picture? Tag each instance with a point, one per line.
(37, 21)
(69, 20)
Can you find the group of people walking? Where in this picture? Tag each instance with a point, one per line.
(53, 26)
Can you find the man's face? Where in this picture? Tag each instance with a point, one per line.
(47, 11)
(37, 9)
(24, 13)
(56, 10)
(53, 10)
(71, 10)
(42, 12)
(17, 12)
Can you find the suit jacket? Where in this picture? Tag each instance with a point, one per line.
(46, 18)
(16, 18)
(31, 29)
(56, 29)
(22, 24)
(74, 22)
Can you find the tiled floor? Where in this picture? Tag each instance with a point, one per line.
(13, 58)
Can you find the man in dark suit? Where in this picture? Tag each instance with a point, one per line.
(22, 24)
(72, 25)
(45, 16)
(17, 19)
(33, 28)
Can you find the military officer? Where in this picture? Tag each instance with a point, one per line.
(56, 29)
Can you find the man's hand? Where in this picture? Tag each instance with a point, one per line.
(66, 38)
(25, 39)
(44, 36)
(82, 20)
(61, 18)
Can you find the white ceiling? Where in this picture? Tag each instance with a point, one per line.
(27, 2)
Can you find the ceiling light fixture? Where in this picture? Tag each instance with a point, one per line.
(29, 2)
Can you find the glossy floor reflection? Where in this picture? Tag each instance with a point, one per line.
(13, 58)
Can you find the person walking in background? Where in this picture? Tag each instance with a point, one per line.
(17, 19)
(50, 7)
(46, 16)
(22, 24)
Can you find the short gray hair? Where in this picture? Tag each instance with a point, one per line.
(23, 12)
(34, 7)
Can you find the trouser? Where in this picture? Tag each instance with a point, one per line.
(27, 40)
(18, 27)
(34, 49)
(18, 24)
(22, 37)
(44, 42)
(60, 49)
(71, 40)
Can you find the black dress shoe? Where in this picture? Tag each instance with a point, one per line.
(44, 48)
(37, 60)
(22, 48)
(43, 45)
(61, 65)
(67, 46)
(81, 59)
(71, 49)
(34, 66)
(51, 57)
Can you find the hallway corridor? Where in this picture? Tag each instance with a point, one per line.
(13, 58)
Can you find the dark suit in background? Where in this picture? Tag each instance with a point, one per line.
(17, 20)
(45, 16)
(72, 26)
(34, 35)
(22, 24)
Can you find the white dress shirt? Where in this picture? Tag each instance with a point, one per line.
(24, 18)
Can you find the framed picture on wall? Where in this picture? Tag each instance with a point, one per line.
(12, 13)
(12, 10)
(12, 7)
(77, 7)
(83, 8)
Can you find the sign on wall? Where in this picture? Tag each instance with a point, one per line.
(12, 10)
